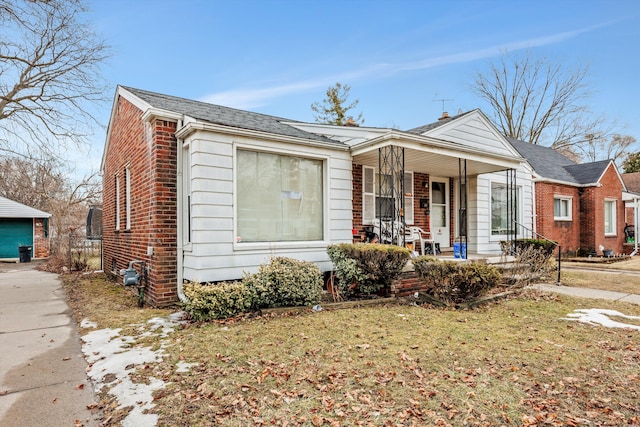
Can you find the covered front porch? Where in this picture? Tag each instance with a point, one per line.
(455, 197)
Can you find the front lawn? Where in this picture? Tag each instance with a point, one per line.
(516, 362)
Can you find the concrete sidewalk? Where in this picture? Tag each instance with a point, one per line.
(589, 293)
(43, 380)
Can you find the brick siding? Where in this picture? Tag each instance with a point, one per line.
(586, 229)
(149, 152)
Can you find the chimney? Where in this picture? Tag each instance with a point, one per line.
(350, 122)
(444, 116)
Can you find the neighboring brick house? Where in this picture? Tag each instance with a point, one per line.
(207, 193)
(632, 208)
(22, 225)
(580, 206)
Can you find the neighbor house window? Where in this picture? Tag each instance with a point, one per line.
(117, 184)
(610, 217)
(562, 208)
(127, 199)
(280, 198)
(503, 215)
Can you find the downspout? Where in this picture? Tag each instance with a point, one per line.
(179, 215)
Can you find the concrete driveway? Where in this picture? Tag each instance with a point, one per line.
(43, 380)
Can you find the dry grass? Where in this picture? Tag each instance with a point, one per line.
(632, 264)
(512, 363)
(611, 281)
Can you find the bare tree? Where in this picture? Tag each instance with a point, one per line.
(599, 147)
(537, 101)
(45, 185)
(333, 109)
(49, 75)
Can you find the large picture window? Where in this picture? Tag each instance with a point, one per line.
(500, 215)
(280, 198)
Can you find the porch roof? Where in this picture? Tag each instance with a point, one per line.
(434, 156)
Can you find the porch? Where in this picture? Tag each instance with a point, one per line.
(403, 184)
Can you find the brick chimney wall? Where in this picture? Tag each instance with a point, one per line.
(149, 152)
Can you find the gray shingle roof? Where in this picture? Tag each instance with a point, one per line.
(588, 173)
(226, 116)
(11, 209)
(550, 164)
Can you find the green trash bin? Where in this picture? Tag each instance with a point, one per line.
(25, 253)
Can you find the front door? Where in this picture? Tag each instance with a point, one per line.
(439, 211)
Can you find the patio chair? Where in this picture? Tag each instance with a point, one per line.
(424, 238)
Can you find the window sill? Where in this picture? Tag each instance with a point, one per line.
(563, 219)
(257, 246)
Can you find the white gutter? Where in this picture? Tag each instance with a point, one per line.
(179, 215)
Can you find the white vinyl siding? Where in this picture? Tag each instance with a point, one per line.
(218, 250)
(562, 208)
(609, 217)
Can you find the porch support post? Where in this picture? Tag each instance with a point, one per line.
(512, 206)
(390, 203)
(462, 207)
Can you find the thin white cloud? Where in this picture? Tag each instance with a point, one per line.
(252, 98)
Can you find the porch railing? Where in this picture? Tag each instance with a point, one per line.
(539, 236)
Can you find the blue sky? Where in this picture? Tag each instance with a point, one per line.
(399, 57)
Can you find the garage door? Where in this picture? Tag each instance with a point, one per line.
(13, 233)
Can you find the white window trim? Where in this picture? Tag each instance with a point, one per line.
(520, 201)
(614, 218)
(569, 200)
(117, 202)
(127, 178)
(369, 218)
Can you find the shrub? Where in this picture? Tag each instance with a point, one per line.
(285, 282)
(456, 282)
(216, 301)
(346, 268)
(381, 264)
(515, 247)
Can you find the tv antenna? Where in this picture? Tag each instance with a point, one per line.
(443, 100)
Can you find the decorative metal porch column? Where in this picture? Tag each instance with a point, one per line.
(462, 207)
(512, 208)
(390, 202)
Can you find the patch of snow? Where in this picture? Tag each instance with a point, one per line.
(183, 366)
(597, 316)
(112, 358)
(86, 324)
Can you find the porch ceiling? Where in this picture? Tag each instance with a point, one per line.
(440, 164)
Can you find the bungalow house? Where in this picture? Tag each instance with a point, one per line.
(206, 193)
(579, 206)
(23, 226)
